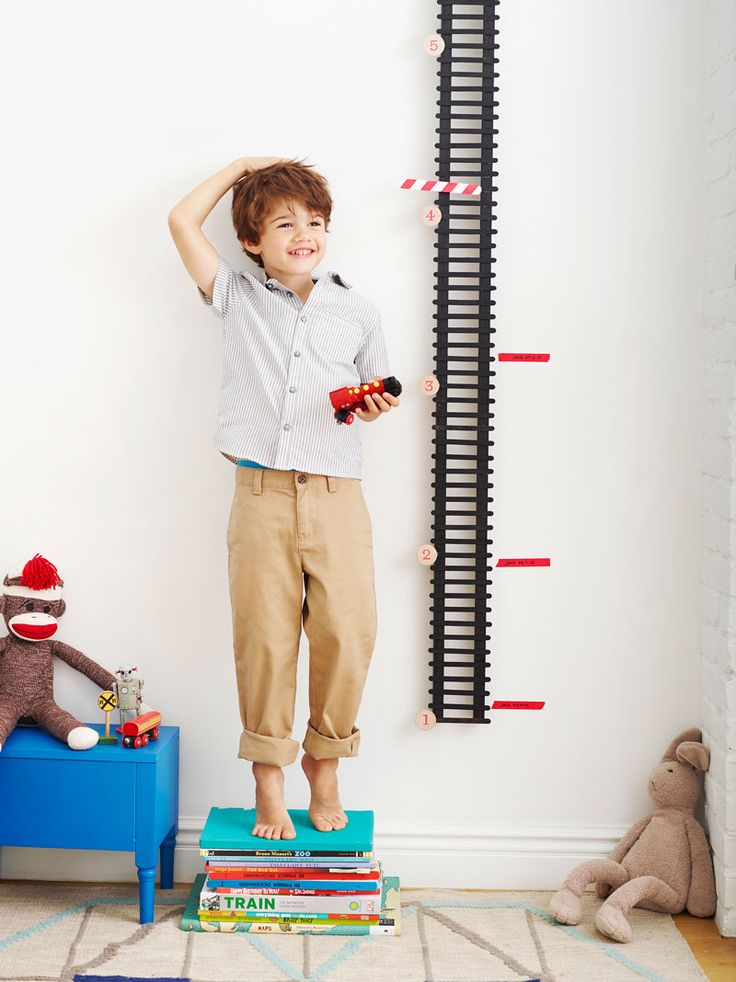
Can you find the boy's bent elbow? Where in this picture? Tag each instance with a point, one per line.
(177, 219)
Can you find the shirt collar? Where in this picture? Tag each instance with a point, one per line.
(271, 283)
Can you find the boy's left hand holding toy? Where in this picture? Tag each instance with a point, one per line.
(376, 404)
(367, 400)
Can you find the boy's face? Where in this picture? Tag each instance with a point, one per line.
(293, 240)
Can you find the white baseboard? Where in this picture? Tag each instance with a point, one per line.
(459, 857)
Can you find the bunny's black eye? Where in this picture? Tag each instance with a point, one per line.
(670, 771)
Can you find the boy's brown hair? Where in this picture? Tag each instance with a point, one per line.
(258, 190)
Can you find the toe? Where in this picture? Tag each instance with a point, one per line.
(321, 823)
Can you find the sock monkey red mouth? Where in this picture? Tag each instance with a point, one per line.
(33, 627)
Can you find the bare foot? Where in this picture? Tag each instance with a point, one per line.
(325, 810)
(272, 818)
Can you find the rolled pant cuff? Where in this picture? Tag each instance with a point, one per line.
(322, 748)
(267, 749)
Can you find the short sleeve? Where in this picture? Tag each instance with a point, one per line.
(372, 359)
(229, 288)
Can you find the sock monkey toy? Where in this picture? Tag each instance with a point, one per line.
(31, 604)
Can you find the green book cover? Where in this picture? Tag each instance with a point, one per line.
(389, 924)
(227, 830)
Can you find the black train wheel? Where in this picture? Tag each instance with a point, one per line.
(127, 741)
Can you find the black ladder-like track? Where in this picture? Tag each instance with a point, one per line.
(464, 287)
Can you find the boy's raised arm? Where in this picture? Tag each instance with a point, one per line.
(187, 217)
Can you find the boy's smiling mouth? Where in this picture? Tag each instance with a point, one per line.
(301, 252)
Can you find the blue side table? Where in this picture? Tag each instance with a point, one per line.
(105, 798)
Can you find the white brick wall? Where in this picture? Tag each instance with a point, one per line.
(718, 522)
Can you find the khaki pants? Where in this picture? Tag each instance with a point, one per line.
(300, 550)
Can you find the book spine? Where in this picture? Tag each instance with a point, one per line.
(288, 853)
(302, 886)
(231, 860)
(324, 919)
(343, 929)
(290, 873)
(271, 906)
(297, 893)
(382, 928)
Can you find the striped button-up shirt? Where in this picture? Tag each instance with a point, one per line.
(282, 357)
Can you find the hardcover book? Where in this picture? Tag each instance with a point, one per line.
(389, 922)
(227, 833)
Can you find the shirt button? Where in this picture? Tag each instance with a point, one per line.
(292, 388)
(302, 479)
(286, 426)
(297, 353)
(303, 317)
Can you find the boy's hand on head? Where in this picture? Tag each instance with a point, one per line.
(255, 163)
(376, 404)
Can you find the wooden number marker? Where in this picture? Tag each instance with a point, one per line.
(426, 554)
(425, 719)
(434, 45)
(430, 385)
(431, 215)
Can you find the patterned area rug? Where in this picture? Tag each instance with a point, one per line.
(63, 932)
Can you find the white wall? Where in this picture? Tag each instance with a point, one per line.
(718, 562)
(112, 374)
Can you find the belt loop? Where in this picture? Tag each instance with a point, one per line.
(258, 482)
(331, 483)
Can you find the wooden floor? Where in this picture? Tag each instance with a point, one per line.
(717, 955)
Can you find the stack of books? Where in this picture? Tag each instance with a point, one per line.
(319, 882)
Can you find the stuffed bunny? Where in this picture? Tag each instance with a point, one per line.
(663, 862)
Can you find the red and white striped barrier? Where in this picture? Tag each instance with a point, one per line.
(417, 184)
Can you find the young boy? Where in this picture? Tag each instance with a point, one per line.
(300, 537)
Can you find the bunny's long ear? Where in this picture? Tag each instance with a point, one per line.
(694, 754)
(687, 736)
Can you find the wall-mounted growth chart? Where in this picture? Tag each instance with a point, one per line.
(463, 216)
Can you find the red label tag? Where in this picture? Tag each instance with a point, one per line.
(523, 562)
(516, 705)
(521, 356)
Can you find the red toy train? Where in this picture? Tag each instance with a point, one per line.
(139, 731)
(346, 401)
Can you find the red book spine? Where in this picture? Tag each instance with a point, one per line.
(298, 893)
(285, 873)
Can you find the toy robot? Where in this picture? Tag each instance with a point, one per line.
(129, 690)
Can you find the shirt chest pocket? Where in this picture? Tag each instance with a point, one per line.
(336, 340)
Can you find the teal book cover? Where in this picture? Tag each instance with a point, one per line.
(227, 830)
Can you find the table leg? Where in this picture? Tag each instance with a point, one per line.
(146, 878)
(167, 860)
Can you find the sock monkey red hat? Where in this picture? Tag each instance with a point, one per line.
(31, 604)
